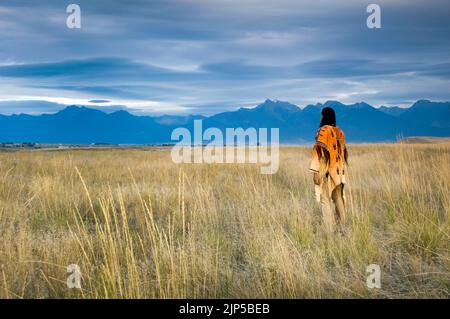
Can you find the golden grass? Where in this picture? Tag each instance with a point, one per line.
(140, 226)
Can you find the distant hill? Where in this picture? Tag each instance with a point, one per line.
(360, 121)
(393, 110)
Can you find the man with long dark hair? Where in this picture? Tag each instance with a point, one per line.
(328, 167)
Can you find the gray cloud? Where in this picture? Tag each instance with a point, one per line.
(222, 54)
(99, 101)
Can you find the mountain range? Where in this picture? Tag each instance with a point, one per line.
(361, 122)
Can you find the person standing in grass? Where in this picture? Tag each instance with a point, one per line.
(328, 167)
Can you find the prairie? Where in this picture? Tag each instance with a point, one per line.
(140, 226)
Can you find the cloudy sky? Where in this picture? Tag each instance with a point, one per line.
(207, 56)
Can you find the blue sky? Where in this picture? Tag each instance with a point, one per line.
(208, 56)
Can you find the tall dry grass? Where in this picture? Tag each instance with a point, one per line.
(140, 226)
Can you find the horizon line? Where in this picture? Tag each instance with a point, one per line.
(116, 109)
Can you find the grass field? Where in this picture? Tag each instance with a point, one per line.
(140, 226)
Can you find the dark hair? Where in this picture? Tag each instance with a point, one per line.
(329, 117)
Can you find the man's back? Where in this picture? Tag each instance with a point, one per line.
(330, 144)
